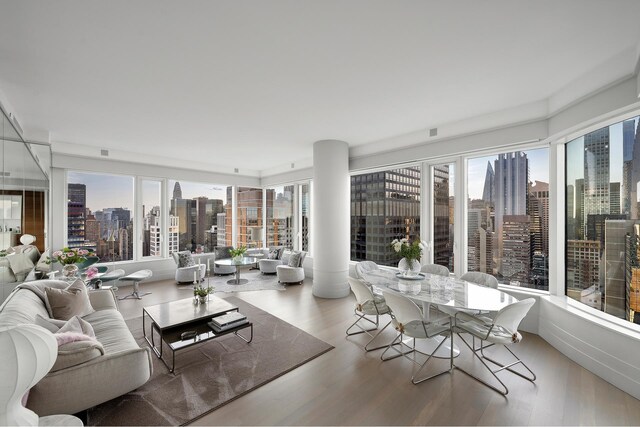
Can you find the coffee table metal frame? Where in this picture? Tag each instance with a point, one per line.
(247, 260)
(170, 335)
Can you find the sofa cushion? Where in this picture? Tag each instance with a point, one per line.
(185, 259)
(21, 264)
(294, 259)
(77, 352)
(6, 274)
(51, 325)
(111, 331)
(65, 303)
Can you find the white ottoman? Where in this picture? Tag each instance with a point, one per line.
(136, 278)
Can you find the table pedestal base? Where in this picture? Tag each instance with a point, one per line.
(427, 346)
(237, 281)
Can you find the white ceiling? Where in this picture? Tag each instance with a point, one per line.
(252, 84)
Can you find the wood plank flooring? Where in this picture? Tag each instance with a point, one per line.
(347, 386)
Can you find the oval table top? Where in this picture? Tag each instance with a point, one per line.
(247, 260)
(443, 291)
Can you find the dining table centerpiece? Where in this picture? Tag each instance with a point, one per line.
(411, 252)
(70, 258)
(238, 253)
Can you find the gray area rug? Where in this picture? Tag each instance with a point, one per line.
(212, 374)
(257, 282)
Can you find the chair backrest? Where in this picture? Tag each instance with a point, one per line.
(360, 290)
(509, 318)
(27, 239)
(404, 310)
(480, 278)
(364, 267)
(437, 269)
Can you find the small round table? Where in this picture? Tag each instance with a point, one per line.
(237, 263)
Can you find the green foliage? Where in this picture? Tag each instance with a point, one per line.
(201, 291)
(238, 251)
(406, 249)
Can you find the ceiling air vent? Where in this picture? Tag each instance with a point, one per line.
(236, 170)
(104, 153)
(433, 132)
(5, 173)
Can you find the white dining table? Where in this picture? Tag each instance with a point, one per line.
(440, 291)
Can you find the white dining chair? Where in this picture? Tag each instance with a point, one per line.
(364, 267)
(406, 318)
(437, 269)
(367, 304)
(501, 330)
(480, 278)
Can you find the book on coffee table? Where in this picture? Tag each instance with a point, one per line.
(218, 328)
(228, 318)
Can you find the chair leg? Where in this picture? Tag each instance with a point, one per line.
(508, 367)
(366, 347)
(396, 341)
(502, 392)
(362, 330)
(414, 376)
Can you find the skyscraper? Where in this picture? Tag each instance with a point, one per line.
(385, 206)
(614, 198)
(489, 187)
(583, 266)
(511, 193)
(76, 211)
(596, 173)
(627, 163)
(177, 191)
(615, 289)
(580, 219)
(516, 255)
(539, 213)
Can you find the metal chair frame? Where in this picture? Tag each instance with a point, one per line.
(482, 357)
(415, 379)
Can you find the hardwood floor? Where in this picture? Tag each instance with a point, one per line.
(347, 386)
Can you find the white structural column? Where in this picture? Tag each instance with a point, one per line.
(330, 219)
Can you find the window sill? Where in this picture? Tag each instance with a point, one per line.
(594, 316)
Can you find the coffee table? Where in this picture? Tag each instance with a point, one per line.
(244, 261)
(171, 319)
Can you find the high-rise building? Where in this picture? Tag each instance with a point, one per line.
(177, 191)
(510, 196)
(614, 198)
(632, 252)
(92, 230)
(489, 185)
(249, 215)
(123, 244)
(580, 219)
(516, 254)
(615, 288)
(597, 196)
(539, 213)
(442, 250)
(628, 141)
(583, 266)
(595, 229)
(222, 229)
(385, 206)
(571, 218)
(76, 211)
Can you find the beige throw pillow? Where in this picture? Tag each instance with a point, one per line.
(63, 304)
(21, 265)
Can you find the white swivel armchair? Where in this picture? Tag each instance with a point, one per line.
(190, 273)
(288, 273)
(222, 252)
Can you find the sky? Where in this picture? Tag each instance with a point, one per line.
(538, 170)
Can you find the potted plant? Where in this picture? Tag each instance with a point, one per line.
(69, 257)
(238, 253)
(410, 252)
(201, 293)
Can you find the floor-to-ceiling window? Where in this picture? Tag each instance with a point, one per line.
(249, 218)
(100, 214)
(280, 214)
(443, 207)
(603, 220)
(197, 216)
(385, 205)
(151, 215)
(508, 217)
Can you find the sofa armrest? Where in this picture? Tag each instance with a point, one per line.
(103, 299)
